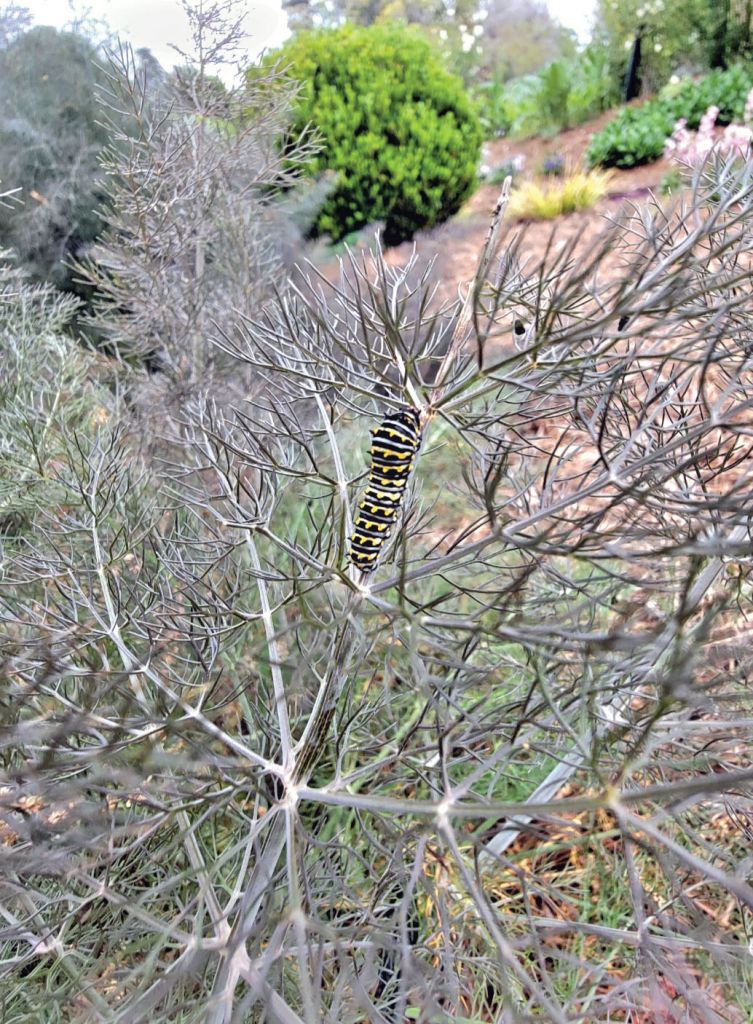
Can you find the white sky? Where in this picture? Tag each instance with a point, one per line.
(158, 23)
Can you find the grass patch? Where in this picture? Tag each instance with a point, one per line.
(544, 201)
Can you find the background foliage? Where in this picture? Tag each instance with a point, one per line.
(492, 38)
(51, 138)
(691, 36)
(637, 134)
(564, 93)
(396, 128)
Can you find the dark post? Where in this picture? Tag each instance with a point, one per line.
(633, 74)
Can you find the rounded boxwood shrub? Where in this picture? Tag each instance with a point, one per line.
(395, 126)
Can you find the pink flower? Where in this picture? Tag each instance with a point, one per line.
(693, 148)
(708, 121)
(678, 141)
(737, 140)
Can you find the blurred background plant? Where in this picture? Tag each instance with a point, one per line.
(553, 166)
(671, 183)
(577, 190)
(51, 138)
(565, 92)
(637, 134)
(497, 173)
(689, 149)
(694, 35)
(491, 39)
(395, 127)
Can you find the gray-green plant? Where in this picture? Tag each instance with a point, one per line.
(241, 782)
(201, 214)
(50, 389)
(51, 138)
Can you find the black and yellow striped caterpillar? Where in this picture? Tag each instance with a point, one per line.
(394, 444)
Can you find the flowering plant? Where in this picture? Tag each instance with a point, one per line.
(553, 166)
(692, 148)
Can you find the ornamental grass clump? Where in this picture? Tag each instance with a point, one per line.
(580, 190)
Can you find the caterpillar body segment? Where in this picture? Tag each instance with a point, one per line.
(394, 445)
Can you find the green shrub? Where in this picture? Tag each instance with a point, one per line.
(554, 93)
(493, 107)
(637, 134)
(594, 86)
(511, 108)
(727, 90)
(396, 127)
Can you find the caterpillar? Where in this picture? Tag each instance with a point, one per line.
(393, 446)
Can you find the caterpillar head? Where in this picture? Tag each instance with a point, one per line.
(410, 417)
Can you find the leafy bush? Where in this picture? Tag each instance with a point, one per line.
(637, 134)
(533, 201)
(492, 106)
(594, 85)
(728, 90)
(397, 128)
(510, 108)
(554, 93)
